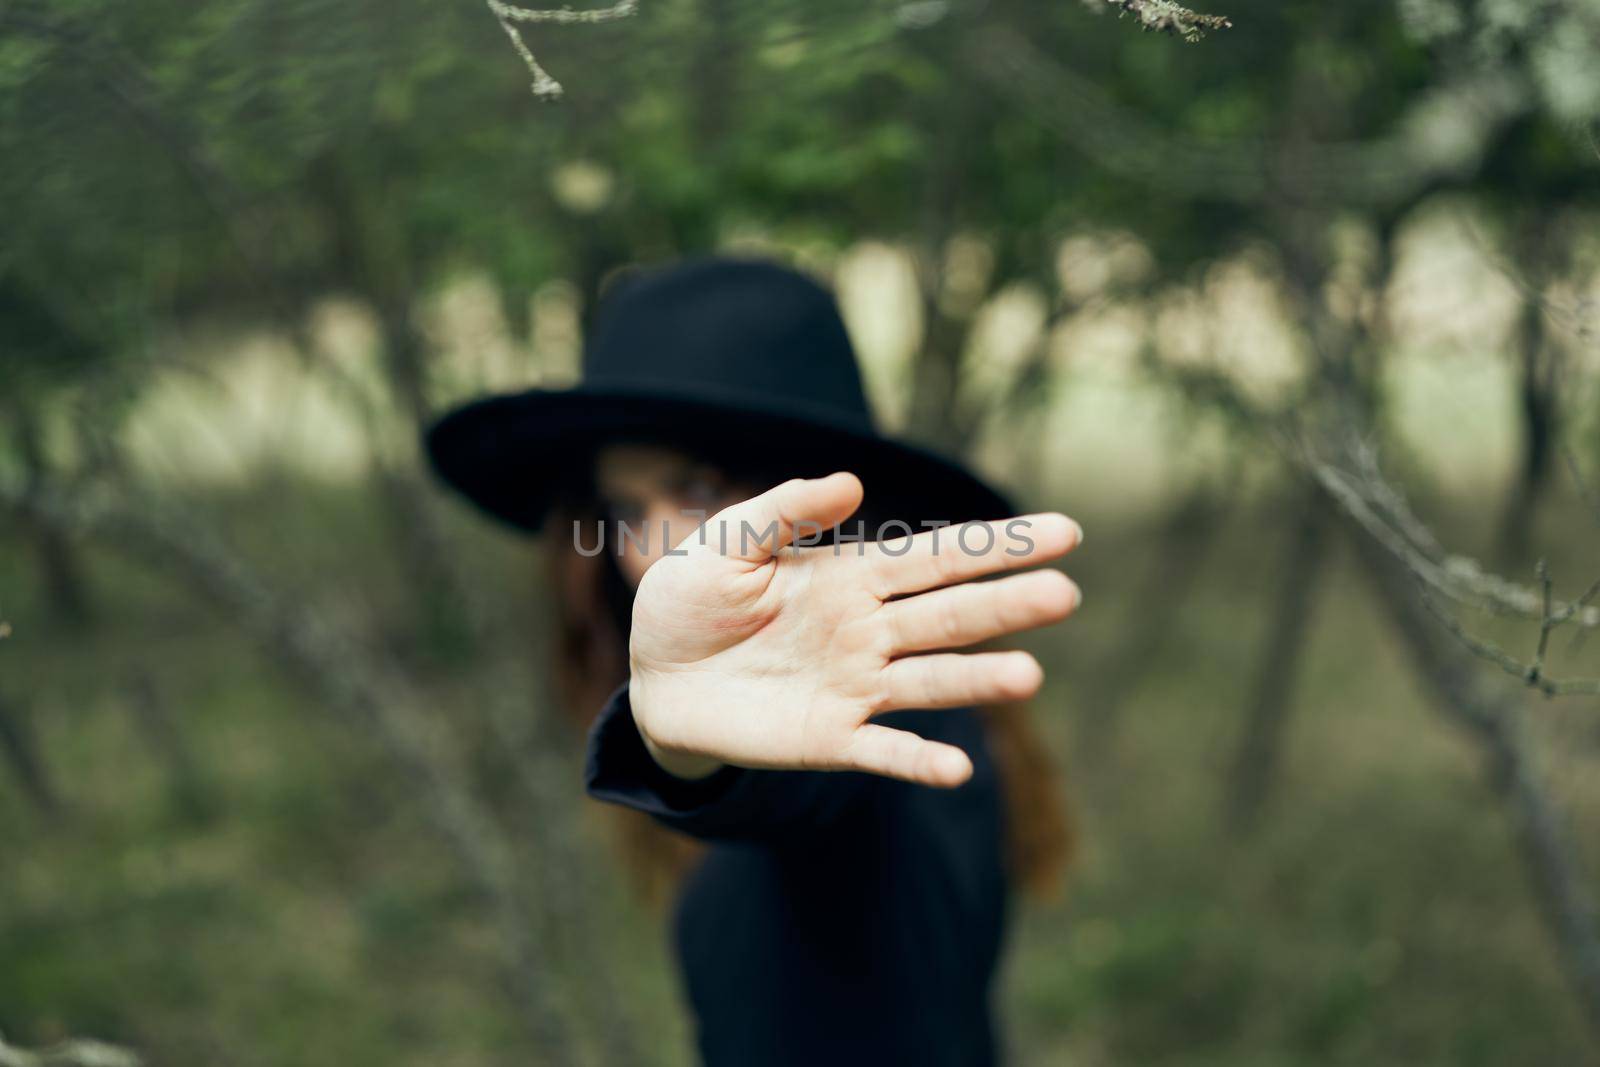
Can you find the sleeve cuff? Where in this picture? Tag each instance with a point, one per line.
(620, 770)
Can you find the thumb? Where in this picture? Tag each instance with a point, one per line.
(755, 529)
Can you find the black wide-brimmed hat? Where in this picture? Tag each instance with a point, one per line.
(736, 360)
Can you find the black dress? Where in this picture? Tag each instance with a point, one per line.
(838, 918)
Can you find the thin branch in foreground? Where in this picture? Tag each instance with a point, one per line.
(1381, 510)
(1532, 674)
(1357, 484)
(1164, 16)
(1565, 895)
(72, 1053)
(544, 86)
(1354, 479)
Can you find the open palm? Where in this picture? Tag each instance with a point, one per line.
(748, 649)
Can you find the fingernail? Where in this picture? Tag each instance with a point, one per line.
(1078, 528)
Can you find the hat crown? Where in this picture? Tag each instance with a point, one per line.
(730, 328)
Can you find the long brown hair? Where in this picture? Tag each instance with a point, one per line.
(591, 599)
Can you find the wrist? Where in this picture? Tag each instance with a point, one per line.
(679, 764)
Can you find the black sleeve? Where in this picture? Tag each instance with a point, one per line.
(732, 803)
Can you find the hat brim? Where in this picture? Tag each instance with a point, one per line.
(515, 455)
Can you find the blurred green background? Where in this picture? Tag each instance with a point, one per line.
(280, 778)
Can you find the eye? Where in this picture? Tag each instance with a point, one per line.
(700, 490)
(620, 510)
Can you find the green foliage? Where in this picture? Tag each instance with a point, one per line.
(249, 154)
(171, 165)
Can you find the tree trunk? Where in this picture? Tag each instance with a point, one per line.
(1539, 409)
(153, 719)
(1492, 715)
(61, 571)
(21, 750)
(1539, 391)
(1188, 535)
(1255, 763)
(935, 417)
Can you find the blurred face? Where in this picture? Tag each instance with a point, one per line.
(649, 487)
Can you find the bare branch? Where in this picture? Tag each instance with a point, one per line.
(565, 16)
(1532, 674)
(544, 86)
(1383, 512)
(1356, 484)
(1495, 717)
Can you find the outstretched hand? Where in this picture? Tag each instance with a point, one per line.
(751, 649)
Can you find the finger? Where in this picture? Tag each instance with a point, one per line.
(955, 680)
(902, 754)
(953, 554)
(755, 529)
(977, 611)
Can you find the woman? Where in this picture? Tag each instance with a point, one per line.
(778, 662)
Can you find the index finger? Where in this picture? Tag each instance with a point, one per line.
(951, 554)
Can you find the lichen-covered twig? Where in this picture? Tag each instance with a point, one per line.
(544, 86)
(1163, 16)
